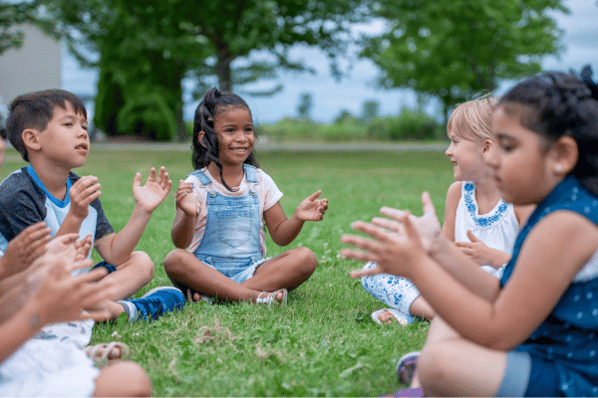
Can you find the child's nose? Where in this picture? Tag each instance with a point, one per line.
(490, 156)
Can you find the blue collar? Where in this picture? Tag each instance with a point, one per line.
(57, 202)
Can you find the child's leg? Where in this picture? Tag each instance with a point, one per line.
(460, 367)
(187, 272)
(287, 270)
(123, 379)
(131, 275)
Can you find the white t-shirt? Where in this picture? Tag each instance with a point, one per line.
(268, 195)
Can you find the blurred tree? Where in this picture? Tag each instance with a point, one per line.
(344, 116)
(11, 15)
(145, 43)
(370, 110)
(455, 49)
(305, 104)
(140, 61)
(236, 28)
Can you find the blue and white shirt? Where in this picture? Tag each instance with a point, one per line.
(25, 201)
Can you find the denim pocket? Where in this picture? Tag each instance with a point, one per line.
(234, 226)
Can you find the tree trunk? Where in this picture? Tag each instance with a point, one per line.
(223, 71)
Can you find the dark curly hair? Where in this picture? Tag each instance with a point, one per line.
(556, 104)
(214, 102)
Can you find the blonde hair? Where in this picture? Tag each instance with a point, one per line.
(471, 119)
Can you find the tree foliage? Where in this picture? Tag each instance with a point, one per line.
(156, 43)
(13, 14)
(455, 49)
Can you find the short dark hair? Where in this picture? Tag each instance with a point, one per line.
(35, 110)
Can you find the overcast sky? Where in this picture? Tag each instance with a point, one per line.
(330, 97)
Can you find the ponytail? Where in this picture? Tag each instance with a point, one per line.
(214, 102)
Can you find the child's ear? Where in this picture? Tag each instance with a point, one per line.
(488, 144)
(200, 136)
(30, 139)
(564, 155)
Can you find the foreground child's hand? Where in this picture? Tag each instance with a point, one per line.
(480, 253)
(149, 196)
(185, 199)
(83, 192)
(427, 226)
(397, 248)
(312, 208)
(62, 297)
(24, 249)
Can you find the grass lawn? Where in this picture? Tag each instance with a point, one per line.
(323, 343)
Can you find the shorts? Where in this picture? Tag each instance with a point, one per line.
(529, 377)
(238, 271)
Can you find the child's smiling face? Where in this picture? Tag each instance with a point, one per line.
(466, 155)
(234, 127)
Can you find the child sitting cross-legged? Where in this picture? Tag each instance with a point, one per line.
(49, 129)
(55, 293)
(534, 331)
(477, 219)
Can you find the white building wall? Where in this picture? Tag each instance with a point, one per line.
(33, 67)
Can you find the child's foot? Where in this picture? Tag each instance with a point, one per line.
(388, 315)
(279, 297)
(103, 354)
(406, 367)
(154, 303)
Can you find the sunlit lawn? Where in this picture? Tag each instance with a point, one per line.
(323, 343)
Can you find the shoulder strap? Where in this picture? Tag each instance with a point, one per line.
(202, 177)
(250, 173)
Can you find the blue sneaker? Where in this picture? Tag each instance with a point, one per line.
(154, 303)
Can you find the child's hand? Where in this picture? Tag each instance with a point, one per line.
(84, 191)
(61, 297)
(25, 248)
(185, 199)
(427, 226)
(312, 208)
(82, 247)
(397, 249)
(149, 196)
(480, 253)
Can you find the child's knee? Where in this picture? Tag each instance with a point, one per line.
(174, 261)
(435, 364)
(307, 260)
(144, 264)
(126, 379)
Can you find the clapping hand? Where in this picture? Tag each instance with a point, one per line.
(149, 196)
(25, 248)
(185, 199)
(312, 208)
(400, 242)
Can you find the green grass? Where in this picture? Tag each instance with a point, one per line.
(323, 343)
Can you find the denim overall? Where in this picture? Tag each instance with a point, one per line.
(231, 241)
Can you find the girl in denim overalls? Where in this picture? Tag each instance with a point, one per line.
(219, 215)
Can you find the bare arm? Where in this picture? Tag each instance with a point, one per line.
(282, 230)
(557, 248)
(117, 248)
(186, 215)
(453, 195)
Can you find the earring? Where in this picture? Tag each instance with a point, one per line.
(559, 167)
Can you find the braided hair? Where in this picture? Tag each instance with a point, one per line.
(214, 102)
(556, 104)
